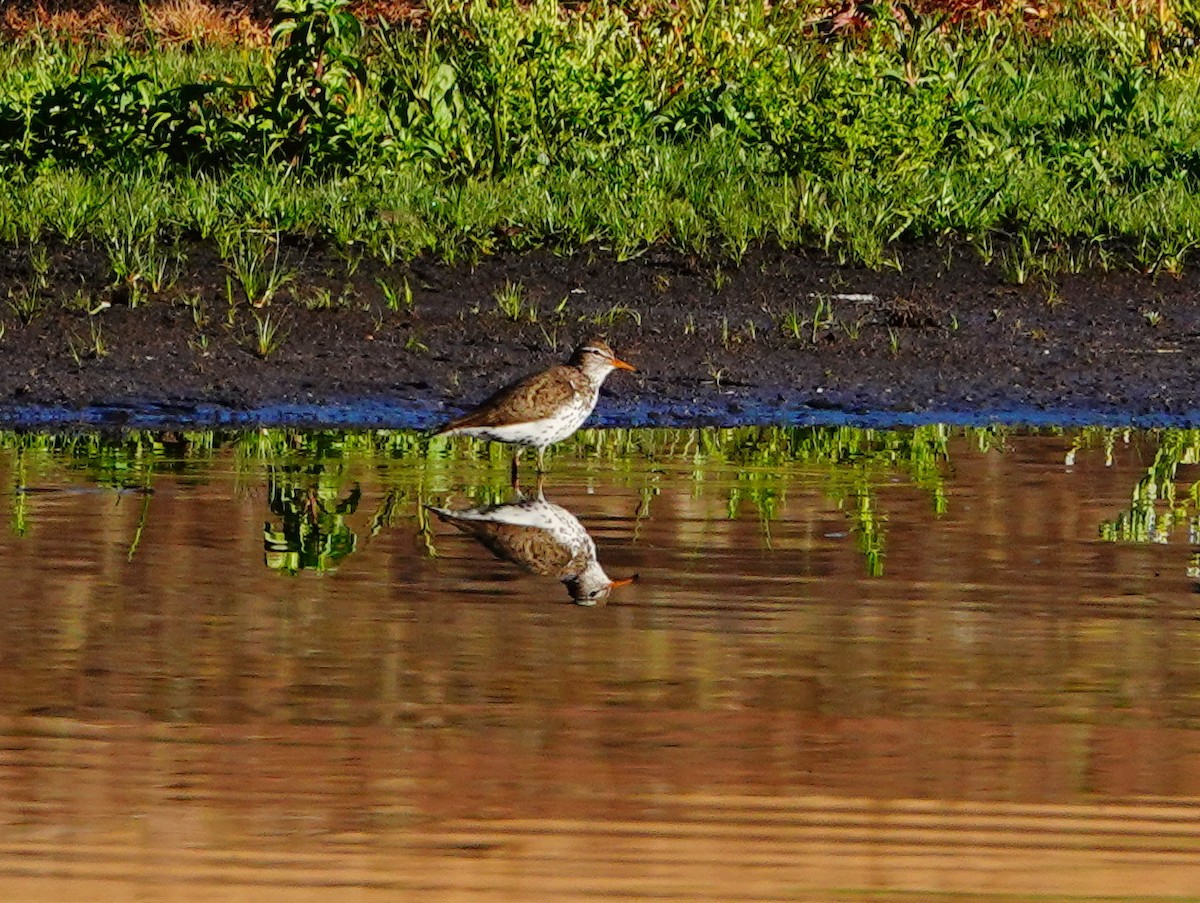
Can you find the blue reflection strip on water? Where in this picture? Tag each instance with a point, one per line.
(386, 414)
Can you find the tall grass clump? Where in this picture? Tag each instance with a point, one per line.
(710, 125)
(295, 106)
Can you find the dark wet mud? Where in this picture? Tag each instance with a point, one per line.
(784, 337)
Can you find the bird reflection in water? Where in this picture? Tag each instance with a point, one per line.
(542, 538)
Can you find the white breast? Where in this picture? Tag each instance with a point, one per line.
(538, 513)
(537, 433)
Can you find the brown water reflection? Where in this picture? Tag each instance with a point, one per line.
(1010, 709)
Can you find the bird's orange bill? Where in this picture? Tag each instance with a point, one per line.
(620, 364)
(626, 581)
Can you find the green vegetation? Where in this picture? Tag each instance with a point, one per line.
(312, 533)
(1158, 509)
(707, 126)
(313, 478)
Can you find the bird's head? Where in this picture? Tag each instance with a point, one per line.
(592, 586)
(595, 358)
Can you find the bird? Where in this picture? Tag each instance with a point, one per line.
(542, 408)
(542, 538)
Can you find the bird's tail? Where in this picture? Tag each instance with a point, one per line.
(444, 428)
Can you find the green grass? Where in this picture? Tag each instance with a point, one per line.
(761, 463)
(708, 127)
(758, 465)
(316, 468)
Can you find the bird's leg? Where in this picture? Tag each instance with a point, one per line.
(541, 459)
(516, 475)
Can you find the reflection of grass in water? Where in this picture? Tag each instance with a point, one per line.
(125, 460)
(1157, 506)
(312, 486)
(764, 461)
(312, 533)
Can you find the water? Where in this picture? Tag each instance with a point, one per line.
(926, 664)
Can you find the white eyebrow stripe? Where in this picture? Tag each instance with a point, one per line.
(595, 350)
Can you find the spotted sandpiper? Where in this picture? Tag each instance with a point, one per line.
(539, 537)
(543, 408)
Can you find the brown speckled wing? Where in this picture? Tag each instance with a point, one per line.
(534, 550)
(532, 398)
(530, 548)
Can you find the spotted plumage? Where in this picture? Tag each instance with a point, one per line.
(543, 408)
(542, 538)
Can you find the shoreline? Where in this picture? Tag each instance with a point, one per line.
(787, 337)
(366, 414)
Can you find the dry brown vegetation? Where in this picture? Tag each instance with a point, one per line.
(230, 21)
(181, 21)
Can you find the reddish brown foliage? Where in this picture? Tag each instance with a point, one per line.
(212, 21)
(219, 21)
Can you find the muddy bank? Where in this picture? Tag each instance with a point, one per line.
(784, 337)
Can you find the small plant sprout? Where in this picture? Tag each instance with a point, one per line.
(1018, 261)
(26, 303)
(822, 317)
(616, 313)
(792, 325)
(39, 260)
(255, 265)
(1153, 317)
(353, 260)
(715, 373)
(92, 349)
(135, 261)
(231, 299)
(196, 305)
(159, 275)
(267, 335)
(81, 301)
(984, 248)
(137, 294)
(396, 298)
(99, 348)
(390, 297)
(319, 299)
(510, 300)
(894, 340)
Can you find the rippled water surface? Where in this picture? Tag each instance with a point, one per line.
(926, 664)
